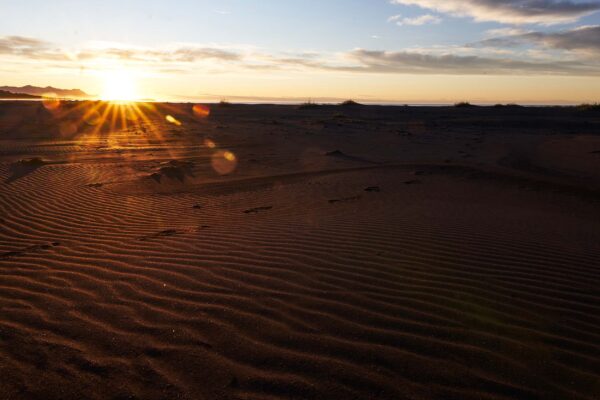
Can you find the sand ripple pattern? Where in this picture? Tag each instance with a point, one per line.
(113, 295)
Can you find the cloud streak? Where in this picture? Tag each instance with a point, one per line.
(195, 58)
(24, 46)
(585, 39)
(415, 21)
(545, 12)
(418, 63)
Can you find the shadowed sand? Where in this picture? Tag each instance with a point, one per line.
(270, 252)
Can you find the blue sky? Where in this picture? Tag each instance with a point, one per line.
(298, 41)
(308, 24)
(278, 24)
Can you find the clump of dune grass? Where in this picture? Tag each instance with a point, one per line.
(508, 105)
(308, 105)
(463, 104)
(32, 162)
(350, 103)
(589, 107)
(224, 103)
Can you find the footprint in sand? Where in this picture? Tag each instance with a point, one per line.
(344, 199)
(257, 209)
(166, 232)
(29, 249)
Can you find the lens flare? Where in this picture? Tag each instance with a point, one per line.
(67, 128)
(229, 156)
(50, 101)
(201, 111)
(92, 118)
(210, 144)
(173, 120)
(224, 162)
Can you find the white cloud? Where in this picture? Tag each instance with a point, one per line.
(490, 33)
(420, 20)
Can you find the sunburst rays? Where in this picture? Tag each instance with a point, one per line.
(120, 124)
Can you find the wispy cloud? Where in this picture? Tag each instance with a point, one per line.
(22, 48)
(509, 31)
(415, 21)
(25, 46)
(483, 58)
(546, 12)
(582, 39)
(419, 63)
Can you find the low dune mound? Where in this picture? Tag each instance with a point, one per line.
(173, 169)
(24, 167)
(343, 156)
(335, 153)
(31, 162)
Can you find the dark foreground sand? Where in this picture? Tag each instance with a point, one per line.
(345, 253)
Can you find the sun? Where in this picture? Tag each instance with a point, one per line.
(119, 86)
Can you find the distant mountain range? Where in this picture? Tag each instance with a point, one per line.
(39, 91)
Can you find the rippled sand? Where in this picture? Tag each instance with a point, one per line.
(270, 252)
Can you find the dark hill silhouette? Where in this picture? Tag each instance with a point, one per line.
(39, 91)
(10, 95)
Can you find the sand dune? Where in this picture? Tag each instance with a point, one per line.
(131, 268)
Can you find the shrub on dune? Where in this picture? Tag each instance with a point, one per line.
(350, 103)
(589, 107)
(308, 105)
(32, 162)
(463, 104)
(509, 105)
